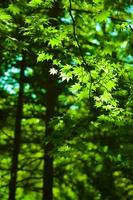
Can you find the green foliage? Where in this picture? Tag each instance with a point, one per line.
(44, 56)
(86, 61)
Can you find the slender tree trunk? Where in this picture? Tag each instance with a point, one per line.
(48, 156)
(17, 135)
(51, 95)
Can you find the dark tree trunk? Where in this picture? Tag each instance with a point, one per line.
(17, 135)
(48, 156)
(51, 102)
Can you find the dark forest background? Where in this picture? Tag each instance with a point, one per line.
(66, 100)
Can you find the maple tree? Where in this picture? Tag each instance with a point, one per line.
(66, 100)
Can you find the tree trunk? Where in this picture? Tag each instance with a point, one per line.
(51, 99)
(17, 135)
(51, 102)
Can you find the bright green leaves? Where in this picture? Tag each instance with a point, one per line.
(4, 16)
(102, 16)
(66, 72)
(75, 88)
(5, 21)
(54, 42)
(106, 96)
(102, 79)
(14, 9)
(34, 3)
(81, 74)
(97, 1)
(110, 85)
(57, 37)
(45, 4)
(44, 56)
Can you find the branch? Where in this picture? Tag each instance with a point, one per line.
(91, 12)
(131, 27)
(85, 64)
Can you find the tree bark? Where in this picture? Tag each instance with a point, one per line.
(51, 102)
(17, 135)
(51, 98)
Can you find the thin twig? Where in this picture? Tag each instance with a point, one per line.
(131, 27)
(85, 64)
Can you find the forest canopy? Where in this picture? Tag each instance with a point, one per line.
(66, 100)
